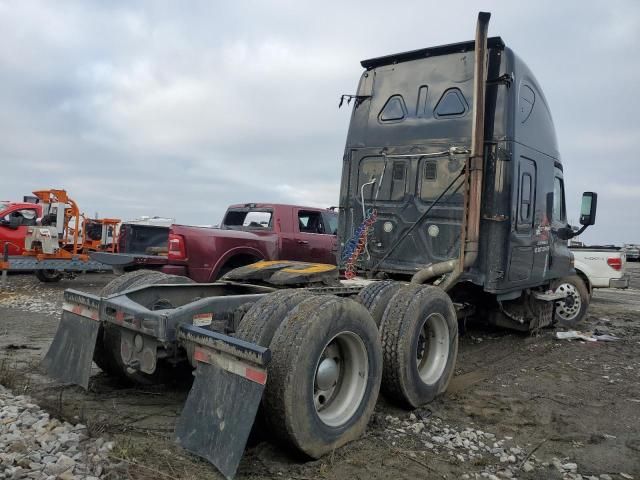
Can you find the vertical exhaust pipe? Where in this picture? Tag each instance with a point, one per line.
(470, 232)
(469, 253)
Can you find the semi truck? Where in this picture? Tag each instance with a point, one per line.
(451, 205)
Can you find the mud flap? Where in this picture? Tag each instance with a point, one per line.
(71, 352)
(219, 412)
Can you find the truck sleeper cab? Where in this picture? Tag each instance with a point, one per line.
(410, 110)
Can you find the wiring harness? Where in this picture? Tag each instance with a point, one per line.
(358, 244)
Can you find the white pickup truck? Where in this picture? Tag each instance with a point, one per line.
(596, 267)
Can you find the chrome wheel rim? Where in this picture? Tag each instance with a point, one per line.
(340, 379)
(569, 307)
(432, 351)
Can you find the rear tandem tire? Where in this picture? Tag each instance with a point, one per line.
(107, 353)
(419, 335)
(264, 317)
(376, 296)
(325, 375)
(259, 325)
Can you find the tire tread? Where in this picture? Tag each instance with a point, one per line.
(281, 402)
(396, 328)
(375, 295)
(262, 320)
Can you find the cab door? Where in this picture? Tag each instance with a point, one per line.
(524, 209)
(13, 228)
(313, 239)
(331, 225)
(560, 255)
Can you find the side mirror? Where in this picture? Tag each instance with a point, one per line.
(588, 208)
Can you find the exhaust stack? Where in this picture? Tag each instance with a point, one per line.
(469, 253)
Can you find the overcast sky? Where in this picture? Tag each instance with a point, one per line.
(180, 108)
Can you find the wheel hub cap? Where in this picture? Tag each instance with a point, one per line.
(328, 373)
(569, 307)
(432, 350)
(341, 379)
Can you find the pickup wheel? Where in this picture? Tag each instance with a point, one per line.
(325, 375)
(376, 296)
(419, 336)
(107, 353)
(573, 308)
(264, 317)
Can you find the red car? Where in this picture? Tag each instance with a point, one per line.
(15, 217)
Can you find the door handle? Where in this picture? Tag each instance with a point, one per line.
(303, 242)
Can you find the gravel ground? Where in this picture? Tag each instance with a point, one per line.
(34, 445)
(518, 407)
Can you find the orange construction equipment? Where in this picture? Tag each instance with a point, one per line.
(65, 233)
(100, 234)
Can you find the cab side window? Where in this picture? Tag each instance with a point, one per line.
(526, 208)
(28, 216)
(559, 209)
(526, 196)
(310, 222)
(24, 217)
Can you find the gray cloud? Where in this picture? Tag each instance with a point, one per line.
(180, 108)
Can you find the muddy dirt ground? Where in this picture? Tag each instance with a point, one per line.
(553, 401)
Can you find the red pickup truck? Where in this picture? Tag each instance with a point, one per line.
(15, 217)
(248, 233)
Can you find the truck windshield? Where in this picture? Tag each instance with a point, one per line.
(258, 219)
(3, 206)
